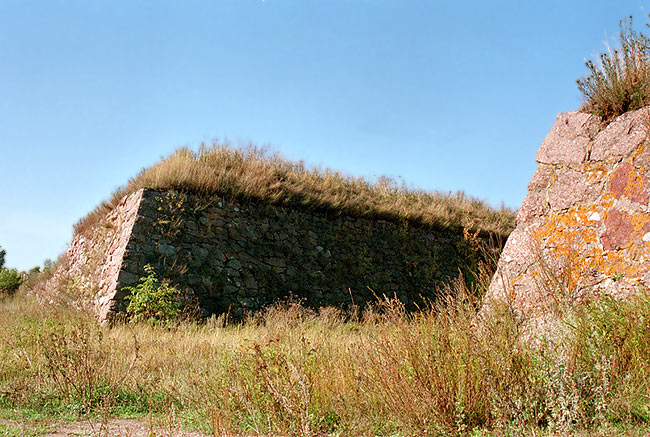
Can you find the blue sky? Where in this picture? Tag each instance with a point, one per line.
(446, 95)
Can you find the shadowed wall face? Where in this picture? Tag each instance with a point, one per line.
(236, 257)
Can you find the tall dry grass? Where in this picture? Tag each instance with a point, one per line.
(296, 371)
(619, 81)
(253, 174)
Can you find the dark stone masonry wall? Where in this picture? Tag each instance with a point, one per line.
(236, 257)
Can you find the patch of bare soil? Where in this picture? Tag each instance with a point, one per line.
(106, 428)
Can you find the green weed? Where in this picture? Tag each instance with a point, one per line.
(152, 301)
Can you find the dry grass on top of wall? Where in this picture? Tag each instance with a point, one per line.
(253, 174)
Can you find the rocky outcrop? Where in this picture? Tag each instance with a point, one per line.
(234, 257)
(584, 227)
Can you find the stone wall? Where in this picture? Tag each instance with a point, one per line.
(235, 257)
(91, 266)
(584, 227)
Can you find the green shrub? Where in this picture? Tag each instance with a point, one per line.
(10, 280)
(620, 82)
(152, 301)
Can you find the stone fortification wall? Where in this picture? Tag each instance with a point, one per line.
(584, 227)
(236, 257)
(89, 269)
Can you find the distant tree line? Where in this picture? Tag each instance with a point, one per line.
(11, 279)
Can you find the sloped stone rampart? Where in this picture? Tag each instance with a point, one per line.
(234, 257)
(92, 264)
(584, 227)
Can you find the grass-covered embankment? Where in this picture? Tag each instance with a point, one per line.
(251, 174)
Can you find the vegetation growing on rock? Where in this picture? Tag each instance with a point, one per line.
(619, 81)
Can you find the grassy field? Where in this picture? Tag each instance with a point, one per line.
(293, 371)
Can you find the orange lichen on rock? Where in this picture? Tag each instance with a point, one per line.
(570, 238)
(586, 217)
(595, 171)
(625, 181)
(578, 238)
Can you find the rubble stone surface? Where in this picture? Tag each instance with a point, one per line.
(234, 257)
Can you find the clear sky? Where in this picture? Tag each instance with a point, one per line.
(447, 95)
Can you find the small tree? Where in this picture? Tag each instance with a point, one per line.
(10, 279)
(152, 301)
